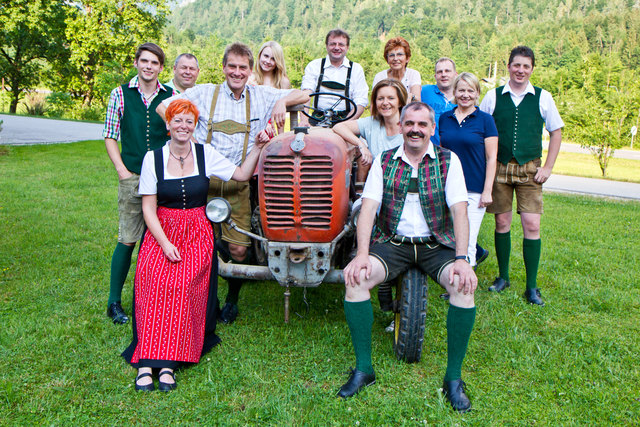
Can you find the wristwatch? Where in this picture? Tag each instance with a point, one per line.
(464, 257)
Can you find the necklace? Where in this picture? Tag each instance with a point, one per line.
(181, 159)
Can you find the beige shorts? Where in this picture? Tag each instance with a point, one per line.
(131, 220)
(237, 194)
(513, 176)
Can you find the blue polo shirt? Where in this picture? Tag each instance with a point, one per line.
(432, 96)
(466, 139)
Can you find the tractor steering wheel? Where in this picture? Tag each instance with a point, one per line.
(329, 114)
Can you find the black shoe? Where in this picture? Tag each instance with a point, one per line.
(146, 387)
(533, 296)
(481, 255)
(454, 392)
(117, 314)
(162, 386)
(499, 285)
(445, 296)
(357, 381)
(229, 313)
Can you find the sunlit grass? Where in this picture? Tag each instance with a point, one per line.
(573, 362)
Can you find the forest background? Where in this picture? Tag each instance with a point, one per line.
(75, 53)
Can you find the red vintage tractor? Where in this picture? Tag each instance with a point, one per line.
(303, 225)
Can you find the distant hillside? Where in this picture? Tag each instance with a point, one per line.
(293, 20)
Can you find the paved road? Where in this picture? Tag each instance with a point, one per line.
(575, 148)
(19, 130)
(592, 186)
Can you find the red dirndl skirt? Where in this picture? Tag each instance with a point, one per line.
(171, 297)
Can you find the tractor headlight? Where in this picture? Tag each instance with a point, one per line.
(218, 210)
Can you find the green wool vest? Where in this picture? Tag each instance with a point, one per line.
(519, 128)
(141, 128)
(432, 175)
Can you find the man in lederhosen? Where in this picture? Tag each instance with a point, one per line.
(335, 73)
(231, 115)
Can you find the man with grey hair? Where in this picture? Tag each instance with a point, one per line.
(231, 115)
(185, 72)
(422, 223)
(440, 95)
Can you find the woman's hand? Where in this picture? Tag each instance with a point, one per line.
(265, 135)
(367, 157)
(171, 252)
(485, 199)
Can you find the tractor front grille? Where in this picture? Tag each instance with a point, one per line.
(312, 191)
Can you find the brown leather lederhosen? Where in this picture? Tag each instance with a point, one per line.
(236, 193)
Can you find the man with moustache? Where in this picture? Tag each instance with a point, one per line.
(422, 222)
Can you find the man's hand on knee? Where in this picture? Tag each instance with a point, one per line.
(353, 271)
(462, 277)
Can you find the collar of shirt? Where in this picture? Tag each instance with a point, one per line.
(452, 113)
(227, 90)
(345, 63)
(529, 89)
(134, 83)
(400, 153)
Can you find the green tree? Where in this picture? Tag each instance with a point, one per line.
(29, 36)
(103, 33)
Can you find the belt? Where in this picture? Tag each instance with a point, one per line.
(413, 240)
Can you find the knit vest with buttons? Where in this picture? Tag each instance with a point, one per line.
(432, 176)
(519, 128)
(141, 128)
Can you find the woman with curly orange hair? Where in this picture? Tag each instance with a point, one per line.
(174, 303)
(397, 53)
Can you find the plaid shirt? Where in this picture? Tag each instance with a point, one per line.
(115, 109)
(263, 99)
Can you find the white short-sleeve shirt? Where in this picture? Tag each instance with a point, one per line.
(412, 222)
(215, 165)
(411, 78)
(358, 88)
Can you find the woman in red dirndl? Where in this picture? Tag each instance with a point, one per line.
(174, 304)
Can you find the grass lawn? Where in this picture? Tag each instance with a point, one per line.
(586, 165)
(574, 361)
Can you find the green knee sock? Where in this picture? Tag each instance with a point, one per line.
(360, 320)
(531, 253)
(234, 291)
(459, 326)
(503, 252)
(120, 264)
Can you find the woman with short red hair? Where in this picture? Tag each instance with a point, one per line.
(397, 53)
(174, 304)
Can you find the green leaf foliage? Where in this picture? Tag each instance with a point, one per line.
(31, 32)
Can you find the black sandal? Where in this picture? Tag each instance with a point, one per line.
(162, 386)
(146, 387)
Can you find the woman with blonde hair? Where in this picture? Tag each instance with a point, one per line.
(472, 135)
(270, 69)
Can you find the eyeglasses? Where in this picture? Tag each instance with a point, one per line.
(396, 55)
